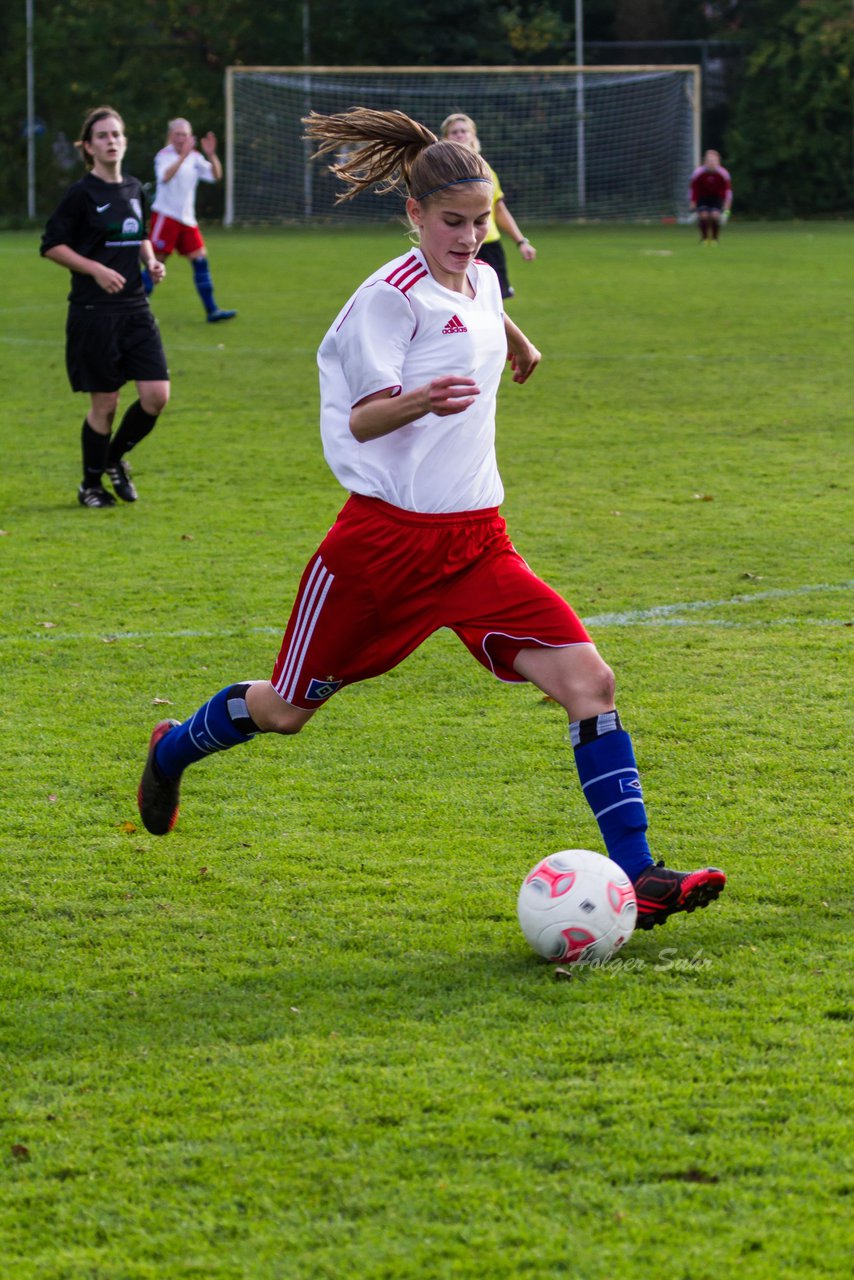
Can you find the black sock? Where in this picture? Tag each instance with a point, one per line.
(95, 450)
(135, 426)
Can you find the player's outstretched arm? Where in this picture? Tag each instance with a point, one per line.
(521, 352)
(380, 414)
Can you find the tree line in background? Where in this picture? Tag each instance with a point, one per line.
(784, 120)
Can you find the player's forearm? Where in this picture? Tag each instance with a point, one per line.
(506, 222)
(169, 174)
(381, 414)
(378, 417)
(64, 256)
(524, 356)
(216, 166)
(517, 343)
(147, 256)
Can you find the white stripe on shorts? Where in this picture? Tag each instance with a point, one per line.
(316, 590)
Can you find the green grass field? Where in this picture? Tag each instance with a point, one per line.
(302, 1037)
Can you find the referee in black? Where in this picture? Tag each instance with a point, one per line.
(98, 232)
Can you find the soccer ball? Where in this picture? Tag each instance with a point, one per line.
(577, 906)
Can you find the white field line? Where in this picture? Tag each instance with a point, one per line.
(663, 612)
(668, 615)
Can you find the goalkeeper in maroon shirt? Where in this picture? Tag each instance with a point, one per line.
(711, 196)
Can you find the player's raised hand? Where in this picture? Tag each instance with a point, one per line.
(208, 144)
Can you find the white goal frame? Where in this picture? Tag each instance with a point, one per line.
(310, 194)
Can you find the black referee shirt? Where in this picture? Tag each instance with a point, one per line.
(104, 221)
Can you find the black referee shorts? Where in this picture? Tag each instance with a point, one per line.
(493, 253)
(106, 348)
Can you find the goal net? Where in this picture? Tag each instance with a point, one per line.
(568, 143)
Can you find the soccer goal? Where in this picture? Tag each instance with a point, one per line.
(568, 143)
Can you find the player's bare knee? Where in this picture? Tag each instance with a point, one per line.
(287, 726)
(271, 714)
(603, 684)
(154, 402)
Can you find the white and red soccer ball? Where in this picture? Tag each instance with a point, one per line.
(576, 906)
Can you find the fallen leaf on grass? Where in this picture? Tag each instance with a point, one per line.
(186, 537)
(563, 975)
(704, 497)
(127, 827)
(48, 625)
(161, 702)
(20, 1152)
(689, 1175)
(51, 799)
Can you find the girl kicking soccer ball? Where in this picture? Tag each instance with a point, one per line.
(409, 373)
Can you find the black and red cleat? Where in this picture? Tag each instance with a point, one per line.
(158, 795)
(661, 892)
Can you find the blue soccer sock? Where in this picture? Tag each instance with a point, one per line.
(204, 283)
(221, 723)
(611, 784)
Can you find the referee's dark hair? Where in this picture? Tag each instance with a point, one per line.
(92, 118)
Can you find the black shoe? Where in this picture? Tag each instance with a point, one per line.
(120, 474)
(219, 314)
(95, 496)
(157, 795)
(661, 892)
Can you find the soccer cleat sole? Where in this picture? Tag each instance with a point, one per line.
(159, 819)
(697, 890)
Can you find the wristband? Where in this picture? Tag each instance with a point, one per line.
(524, 240)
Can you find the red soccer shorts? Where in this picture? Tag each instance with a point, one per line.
(167, 235)
(383, 580)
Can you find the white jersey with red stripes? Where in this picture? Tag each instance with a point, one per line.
(177, 197)
(398, 331)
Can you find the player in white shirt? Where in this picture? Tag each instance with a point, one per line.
(409, 374)
(179, 168)
(429, 465)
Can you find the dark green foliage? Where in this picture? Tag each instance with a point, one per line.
(789, 147)
(791, 139)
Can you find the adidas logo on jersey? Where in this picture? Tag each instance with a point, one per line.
(455, 325)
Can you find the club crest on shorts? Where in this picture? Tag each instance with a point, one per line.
(320, 690)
